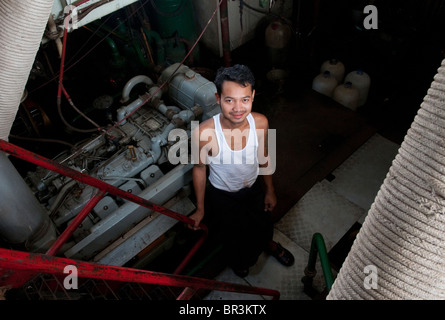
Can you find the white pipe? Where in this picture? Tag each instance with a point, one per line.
(155, 92)
(122, 112)
(185, 115)
(55, 34)
(156, 149)
(22, 219)
(22, 24)
(132, 83)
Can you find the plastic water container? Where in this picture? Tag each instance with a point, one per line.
(277, 35)
(346, 94)
(277, 40)
(335, 67)
(361, 81)
(325, 83)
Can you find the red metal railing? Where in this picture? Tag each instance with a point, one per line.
(17, 267)
(103, 189)
(34, 263)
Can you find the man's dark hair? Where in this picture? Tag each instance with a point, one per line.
(239, 73)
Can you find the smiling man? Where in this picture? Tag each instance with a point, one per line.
(235, 205)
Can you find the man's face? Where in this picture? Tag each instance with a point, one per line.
(235, 101)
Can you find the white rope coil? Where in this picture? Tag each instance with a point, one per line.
(22, 27)
(403, 235)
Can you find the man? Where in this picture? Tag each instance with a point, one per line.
(232, 143)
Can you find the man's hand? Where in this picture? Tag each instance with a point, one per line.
(197, 216)
(270, 201)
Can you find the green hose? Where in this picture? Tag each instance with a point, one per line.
(202, 263)
(318, 246)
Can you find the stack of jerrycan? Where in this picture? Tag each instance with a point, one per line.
(350, 91)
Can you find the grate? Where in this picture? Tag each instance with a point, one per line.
(51, 287)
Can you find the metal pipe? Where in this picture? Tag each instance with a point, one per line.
(318, 247)
(191, 253)
(61, 89)
(123, 112)
(159, 44)
(132, 83)
(225, 34)
(22, 219)
(186, 294)
(55, 34)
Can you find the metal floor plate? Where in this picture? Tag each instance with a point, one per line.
(330, 208)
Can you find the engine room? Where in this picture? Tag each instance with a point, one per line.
(113, 93)
(137, 118)
(101, 93)
(132, 154)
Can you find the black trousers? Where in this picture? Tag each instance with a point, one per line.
(239, 222)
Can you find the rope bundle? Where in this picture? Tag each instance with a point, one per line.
(403, 235)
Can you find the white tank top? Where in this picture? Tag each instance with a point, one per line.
(233, 170)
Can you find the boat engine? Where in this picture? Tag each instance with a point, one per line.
(130, 155)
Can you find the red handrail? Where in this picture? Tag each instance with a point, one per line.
(54, 249)
(103, 188)
(30, 264)
(84, 178)
(34, 263)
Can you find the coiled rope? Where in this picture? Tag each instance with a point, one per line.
(402, 238)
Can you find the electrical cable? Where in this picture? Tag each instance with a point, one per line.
(75, 108)
(42, 140)
(94, 32)
(61, 88)
(84, 12)
(63, 69)
(90, 50)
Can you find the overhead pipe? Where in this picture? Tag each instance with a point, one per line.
(132, 83)
(22, 220)
(23, 24)
(159, 44)
(399, 252)
(225, 34)
(54, 34)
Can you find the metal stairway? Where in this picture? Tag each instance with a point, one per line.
(43, 276)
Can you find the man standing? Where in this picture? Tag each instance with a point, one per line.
(232, 143)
